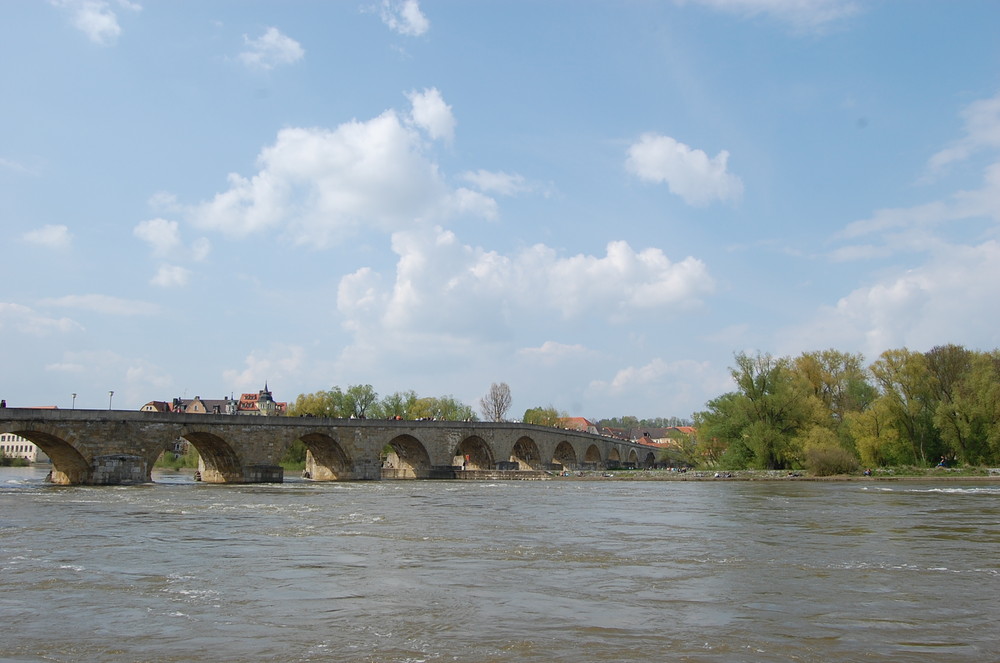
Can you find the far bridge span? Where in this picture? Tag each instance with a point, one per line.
(120, 446)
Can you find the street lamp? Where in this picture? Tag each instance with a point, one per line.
(111, 395)
(74, 400)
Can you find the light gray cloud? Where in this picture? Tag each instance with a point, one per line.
(803, 15)
(28, 321)
(103, 304)
(982, 132)
(53, 237)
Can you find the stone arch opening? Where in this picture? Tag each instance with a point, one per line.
(219, 463)
(404, 457)
(592, 459)
(68, 465)
(526, 454)
(474, 454)
(565, 455)
(649, 461)
(633, 458)
(326, 460)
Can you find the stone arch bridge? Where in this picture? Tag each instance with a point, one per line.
(120, 447)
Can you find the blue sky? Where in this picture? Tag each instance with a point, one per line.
(598, 203)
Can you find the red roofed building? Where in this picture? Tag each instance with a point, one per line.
(578, 423)
(260, 404)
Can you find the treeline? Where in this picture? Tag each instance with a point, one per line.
(827, 412)
(361, 401)
(630, 422)
(550, 416)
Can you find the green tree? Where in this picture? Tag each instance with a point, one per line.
(399, 404)
(968, 391)
(320, 404)
(839, 380)
(543, 416)
(444, 408)
(907, 391)
(295, 457)
(760, 423)
(876, 438)
(359, 400)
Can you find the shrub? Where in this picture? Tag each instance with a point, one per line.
(826, 460)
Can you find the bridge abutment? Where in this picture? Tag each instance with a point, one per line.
(119, 469)
(264, 474)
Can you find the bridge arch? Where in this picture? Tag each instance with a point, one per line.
(526, 454)
(326, 459)
(649, 461)
(475, 454)
(405, 457)
(565, 455)
(593, 456)
(220, 463)
(633, 458)
(68, 465)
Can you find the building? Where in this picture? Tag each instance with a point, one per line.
(578, 424)
(260, 404)
(15, 446)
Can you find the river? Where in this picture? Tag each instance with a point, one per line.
(574, 571)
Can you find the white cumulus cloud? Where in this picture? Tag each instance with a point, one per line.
(689, 173)
(271, 49)
(169, 276)
(162, 235)
(432, 114)
(164, 239)
(277, 364)
(97, 18)
(918, 307)
(404, 17)
(445, 288)
(319, 186)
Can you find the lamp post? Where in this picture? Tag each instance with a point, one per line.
(111, 394)
(74, 400)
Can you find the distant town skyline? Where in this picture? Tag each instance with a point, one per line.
(597, 204)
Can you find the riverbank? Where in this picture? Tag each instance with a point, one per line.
(936, 474)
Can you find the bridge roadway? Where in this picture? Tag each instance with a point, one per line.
(110, 447)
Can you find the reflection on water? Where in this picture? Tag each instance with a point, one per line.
(477, 571)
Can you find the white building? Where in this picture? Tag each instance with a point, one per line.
(15, 446)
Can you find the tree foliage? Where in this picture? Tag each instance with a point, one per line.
(543, 416)
(362, 402)
(827, 411)
(442, 408)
